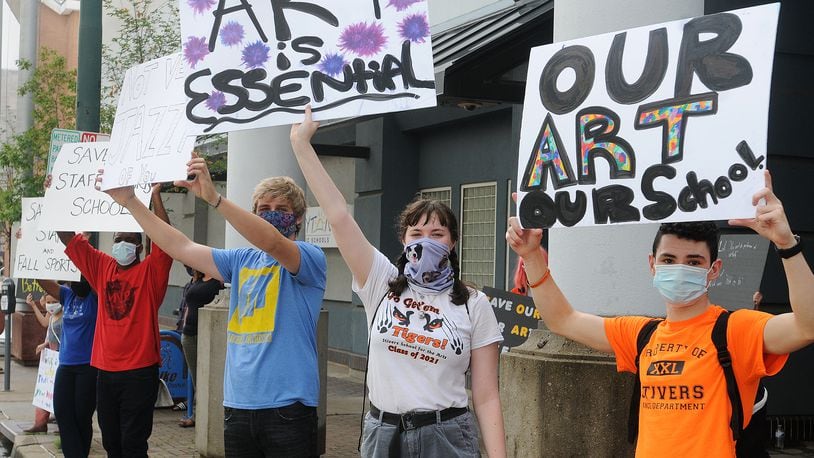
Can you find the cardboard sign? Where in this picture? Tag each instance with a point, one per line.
(72, 202)
(151, 140)
(743, 258)
(60, 137)
(46, 374)
(40, 253)
(659, 123)
(257, 64)
(516, 315)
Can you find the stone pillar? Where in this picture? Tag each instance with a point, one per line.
(27, 333)
(560, 398)
(563, 399)
(212, 320)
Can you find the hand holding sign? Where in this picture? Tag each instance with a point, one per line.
(119, 195)
(301, 133)
(770, 219)
(201, 183)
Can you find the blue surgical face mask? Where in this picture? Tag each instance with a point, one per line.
(285, 222)
(124, 253)
(680, 283)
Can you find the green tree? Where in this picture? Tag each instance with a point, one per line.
(24, 156)
(149, 29)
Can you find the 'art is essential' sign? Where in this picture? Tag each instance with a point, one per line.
(659, 123)
(257, 64)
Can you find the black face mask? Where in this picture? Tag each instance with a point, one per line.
(81, 288)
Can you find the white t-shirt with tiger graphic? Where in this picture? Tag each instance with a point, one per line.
(420, 343)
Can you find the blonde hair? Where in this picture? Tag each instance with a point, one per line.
(283, 187)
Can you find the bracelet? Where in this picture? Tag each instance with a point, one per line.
(220, 197)
(541, 280)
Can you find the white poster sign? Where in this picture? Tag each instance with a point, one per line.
(317, 229)
(72, 202)
(257, 64)
(40, 254)
(151, 140)
(61, 136)
(46, 374)
(659, 123)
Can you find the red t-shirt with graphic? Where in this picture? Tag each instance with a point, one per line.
(126, 335)
(684, 407)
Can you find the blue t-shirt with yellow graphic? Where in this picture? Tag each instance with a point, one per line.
(271, 351)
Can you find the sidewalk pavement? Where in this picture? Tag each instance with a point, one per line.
(168, 439)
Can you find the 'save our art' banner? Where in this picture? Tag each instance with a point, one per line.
(257, 64)
(659, 123)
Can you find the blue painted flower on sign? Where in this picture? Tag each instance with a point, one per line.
(231, 34)
(200, 6)
(363, 39)
(402, 5)
(255, 55)
(415, 28)
(332, 64)
(216, 100)
(195, 50)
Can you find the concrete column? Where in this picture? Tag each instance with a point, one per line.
(254, 155)
(212, 321)
(560, 398)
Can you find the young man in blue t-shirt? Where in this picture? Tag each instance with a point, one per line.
(271, 381)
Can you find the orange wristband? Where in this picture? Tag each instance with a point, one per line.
(541, 280)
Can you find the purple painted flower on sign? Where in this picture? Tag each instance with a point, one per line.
(201, 6)
(195, 50)
(415, 28)
(255, 55)
(363, 39)
(216, 100)
(402, 5)
(231, 34)
(332, 64)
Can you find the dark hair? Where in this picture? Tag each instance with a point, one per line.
(705, 231)
(420, 211)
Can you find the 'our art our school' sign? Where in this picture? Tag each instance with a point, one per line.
(659, 123)
(257, 64)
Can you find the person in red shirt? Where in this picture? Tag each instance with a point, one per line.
(126, 344)
(684, 407)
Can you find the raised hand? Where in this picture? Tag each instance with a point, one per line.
(30, 300)
(120, 195)
(524, 242)
(201, 183)
(302, 132)
(770, 218)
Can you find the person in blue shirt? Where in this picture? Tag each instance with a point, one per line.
(75, 383)
(271, 380)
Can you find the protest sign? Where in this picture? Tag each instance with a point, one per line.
(40, 254)
(659, 123)
(60, 137)
(258, 64)
(152, 140)
(46, 374)
(743, 258)
(516, 315)
(72, 202)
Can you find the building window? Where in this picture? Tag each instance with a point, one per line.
(440, 194)
(477, 245)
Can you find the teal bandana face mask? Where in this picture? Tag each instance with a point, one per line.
(680, 283)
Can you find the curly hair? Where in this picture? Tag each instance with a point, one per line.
(703, 231)
(420, 211)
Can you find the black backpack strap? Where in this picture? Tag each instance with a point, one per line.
(725, 360)
(633, 417)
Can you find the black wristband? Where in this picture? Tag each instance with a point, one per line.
(786, 253)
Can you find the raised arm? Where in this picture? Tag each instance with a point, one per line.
(158, 204)
(789, 331)
(254, 228)
(171, 240)
(50, 286)
(42, 318)
(554, 308)
(354, 247)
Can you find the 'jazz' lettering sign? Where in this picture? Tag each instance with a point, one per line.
(658, 123)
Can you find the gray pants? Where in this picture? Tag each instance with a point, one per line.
(190, 345)
(456, 437)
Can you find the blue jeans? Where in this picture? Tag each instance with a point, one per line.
(289, 431)
(456, 437)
